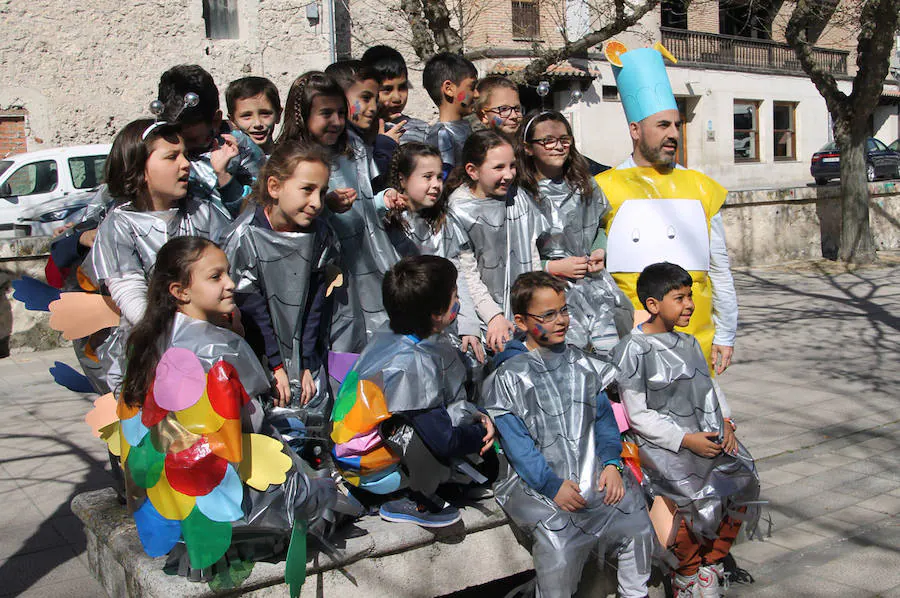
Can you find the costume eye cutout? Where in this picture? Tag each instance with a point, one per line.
(636, 235)
(670, 231)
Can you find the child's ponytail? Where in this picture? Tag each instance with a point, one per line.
(173, 265)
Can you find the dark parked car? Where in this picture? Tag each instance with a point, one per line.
(880, 162)
(895, 147)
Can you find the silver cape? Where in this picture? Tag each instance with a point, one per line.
(671, 371)
(449, 138)
(499, 233)
(366, 253)
(414, 130)
(554, 392)
(600, 311)
(278, 265)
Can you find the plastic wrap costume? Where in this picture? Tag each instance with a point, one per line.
(244, 168)
(500, 233)
(197, 468)
(128, 241)
(449, 138)
(414, 129)
(554, 392)
(278, 265)
(394, 374)
(366, 253)
(656, 217)
(600, 312)
(669, 370)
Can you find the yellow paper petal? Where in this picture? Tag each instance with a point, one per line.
(200, 418)
(170, 503)
(103, 414)
(264, 462)
(111, 435)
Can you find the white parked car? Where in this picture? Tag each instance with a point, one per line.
(65, 178)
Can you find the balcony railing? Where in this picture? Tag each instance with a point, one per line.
(697, 47)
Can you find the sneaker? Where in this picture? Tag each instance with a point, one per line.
(685, 587)
(708, 582)
(405, 510)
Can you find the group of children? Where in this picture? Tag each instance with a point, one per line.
(426, 250)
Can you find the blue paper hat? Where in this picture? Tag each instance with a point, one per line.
(643, 84)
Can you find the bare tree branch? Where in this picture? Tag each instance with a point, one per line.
(422, 41)
(795, 35)
(446, 38)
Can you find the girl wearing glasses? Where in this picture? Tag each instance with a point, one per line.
(556, 179)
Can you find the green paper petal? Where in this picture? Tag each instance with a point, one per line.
(206, 540)
(232, 577)
(346, 396)
(295, 563)
(145, 463)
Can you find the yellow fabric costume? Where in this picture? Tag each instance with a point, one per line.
(646, 183)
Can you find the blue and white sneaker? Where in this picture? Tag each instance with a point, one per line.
(404, 510)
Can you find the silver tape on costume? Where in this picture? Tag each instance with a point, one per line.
(500, 233)
(671, 371)
(554, 393)
(600, 312)
(366, 253)
(449, 138)
(278, 265)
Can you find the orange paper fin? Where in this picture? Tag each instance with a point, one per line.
(78, 315)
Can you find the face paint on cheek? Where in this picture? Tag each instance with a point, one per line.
(539, 332)
(462, 97)
(355, 109)
(454, 311)
(498, 121)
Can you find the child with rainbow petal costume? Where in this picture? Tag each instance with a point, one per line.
(202, 465)
(660, 211)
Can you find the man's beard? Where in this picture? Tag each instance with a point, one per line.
(655, 155)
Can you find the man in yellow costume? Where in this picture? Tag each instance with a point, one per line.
(662, 212)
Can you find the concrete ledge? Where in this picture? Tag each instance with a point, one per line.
(391, 559)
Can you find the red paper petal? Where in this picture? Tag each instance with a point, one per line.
(225, 391)
(151, 413)
(195, 471)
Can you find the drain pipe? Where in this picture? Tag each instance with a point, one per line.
(332, 36)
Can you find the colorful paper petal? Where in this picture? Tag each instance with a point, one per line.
(170, 503)
(133, 429)
(67, 377)
(145, 464)
(157, 534)
(225, 391)
(196, 470)
(264, 462)
(78, 315)
(224, 502)
(151, 413)
(339, 364)
(36, 295)
(228, 441)
(124, 410)
(346, 397)
(200, 418)
(102, 415)
(111, 435)
(295, 563)
(368, 410)
(206, 540)
(180, 379)
(169, 436)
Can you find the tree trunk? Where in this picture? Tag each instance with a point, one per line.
(856, 239)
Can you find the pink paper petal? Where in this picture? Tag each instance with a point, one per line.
(621, 416)
(180, 380)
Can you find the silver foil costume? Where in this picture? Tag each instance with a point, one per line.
(244, 167)
(414, 129)
(554, 392)
(366, 253)
(278, 265)
(670, 372)
(449, 138)
(500, 233)
(600, 311)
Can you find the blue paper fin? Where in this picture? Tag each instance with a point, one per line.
(36, 295)
(68, 377)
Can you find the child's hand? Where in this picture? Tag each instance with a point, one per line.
(721, 357)
(282, 388)
(396, 131)
(340, 200)
(394, 200)
(61, 229)
(569, 498)
(611, 481)
(488, 439)
(499, 331)
(702, 443)
(308, 388)
(597, 260)
(474, 343)
(574, 267)
(221, 154)
(87, 238)
(729, 440)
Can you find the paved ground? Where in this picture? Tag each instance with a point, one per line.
(815, 392)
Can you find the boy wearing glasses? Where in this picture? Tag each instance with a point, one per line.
(566, 489)
(497, 105)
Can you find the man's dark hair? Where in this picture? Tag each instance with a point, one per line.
(180, 80)
(249, 87)
(657, 280)
(387, 61)
(348, 72)
(415, 289)
(522, 291)
(445, 66)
